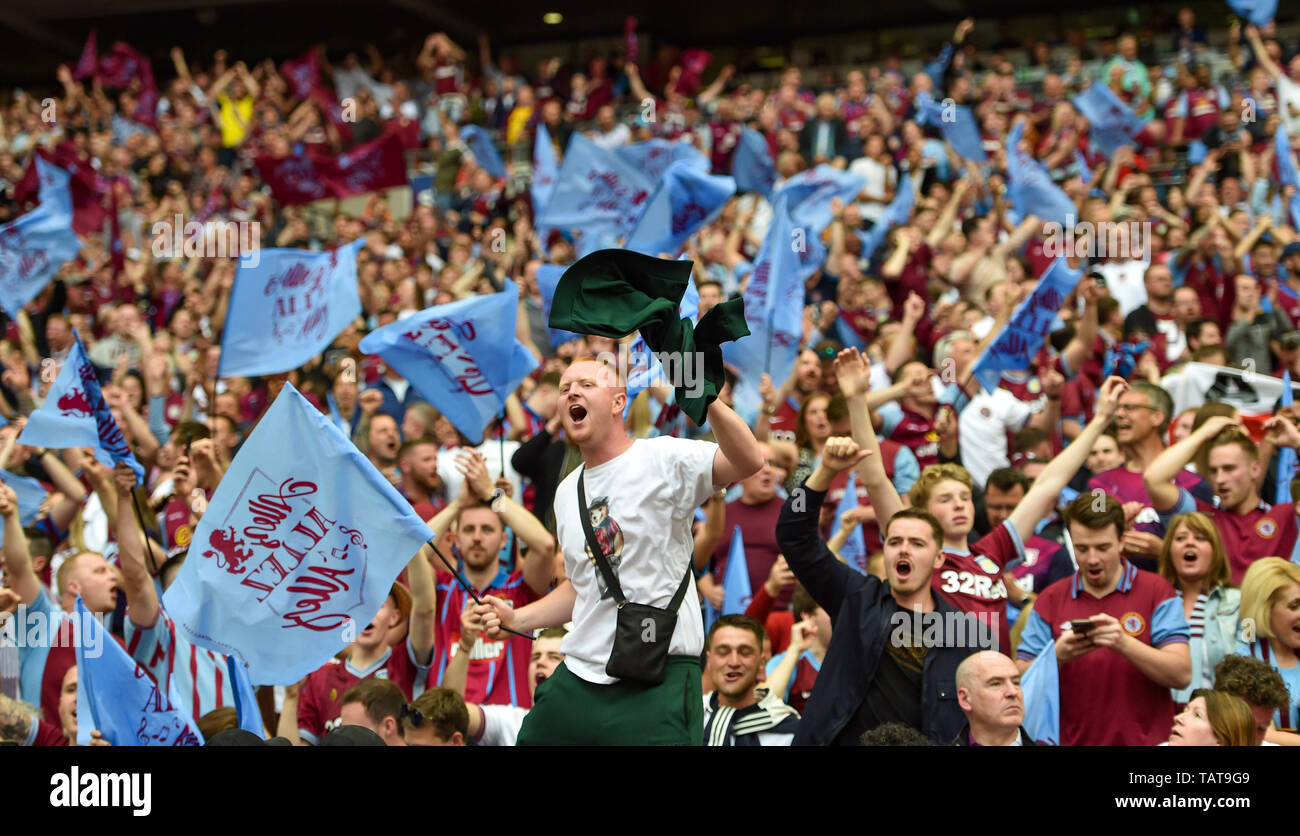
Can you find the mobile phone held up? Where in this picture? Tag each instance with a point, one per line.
(1082, 625)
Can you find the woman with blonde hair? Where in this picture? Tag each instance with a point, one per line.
(1194, 561)
(1214, 718)
(1270, 621)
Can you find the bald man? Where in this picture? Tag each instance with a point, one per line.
(988, 691)
(640, 499)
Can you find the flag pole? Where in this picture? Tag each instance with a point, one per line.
(501, 438)
(468, 589)
(144, 532)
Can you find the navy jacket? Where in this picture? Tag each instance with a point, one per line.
(858, 606)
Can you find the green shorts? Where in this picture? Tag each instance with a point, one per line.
(569, 711)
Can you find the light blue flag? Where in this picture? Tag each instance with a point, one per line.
(119, 699)
(653, 157)
(548, 276)
(247, 711)
(75, 415)
(1017, 344)
(808, 195)
(30, 496)
(898, 212)
(596, 188)
(297, 550)
(288, 309)
(485, 153)
(1286, 459)
(1258, 12)
(1114, 124)
(1041, 684)
(736, 591)
(546, 168)
(643, 370)
(752, 164)
(1031, 188)
(462, 357)
(854, 550)
(1287, 174)
(958, 124)
(34, 246)
(690, 305)
(939, 66)
(685, 200)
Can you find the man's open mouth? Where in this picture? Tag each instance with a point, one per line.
(577, 412)
(903, 569)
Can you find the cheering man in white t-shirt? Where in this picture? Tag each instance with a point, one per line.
(641, 498)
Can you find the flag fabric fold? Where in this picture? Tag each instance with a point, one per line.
(1018, 343)
(546, 169)
(485, 153)
(752, 165)
(288, 308)
(854, 550)
(75, 414)
(118, 698)
(1031, 189)
(1113, 123)
(34, 246)
(685, 200)
(297, 550)
(463, 357)
(1042, 686)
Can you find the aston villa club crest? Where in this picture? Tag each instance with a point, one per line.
(986, 564)
(1133, 623)
(1266, 527)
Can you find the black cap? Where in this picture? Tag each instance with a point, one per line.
(352, 736)
(235, 737)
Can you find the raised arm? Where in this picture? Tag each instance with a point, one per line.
(1042, 497)
(854, 373)
(424, 606)
(739, 455)
(539, 566)
(821, 573)
(1080, 348)
(943, 226)
(18, 560)
(141, 595)
(1160, 474)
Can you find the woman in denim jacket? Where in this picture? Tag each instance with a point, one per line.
(1194, 561)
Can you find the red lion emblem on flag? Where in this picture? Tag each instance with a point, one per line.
(75, 404)
(226, 549)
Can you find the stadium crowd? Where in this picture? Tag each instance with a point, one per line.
(1110, 504)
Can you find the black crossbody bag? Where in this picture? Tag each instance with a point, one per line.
(643, 633)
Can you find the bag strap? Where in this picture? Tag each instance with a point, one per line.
(602, 564)
(597, 553)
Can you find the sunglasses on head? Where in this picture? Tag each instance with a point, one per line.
(412, 714)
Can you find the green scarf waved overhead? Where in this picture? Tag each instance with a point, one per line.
(611, 293)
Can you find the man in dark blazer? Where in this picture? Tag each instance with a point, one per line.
(884, 664)
(825, 136)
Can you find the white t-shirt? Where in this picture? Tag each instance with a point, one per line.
(501, 724)
(982, 429)
(1124, 281)
(1288, 92)
(644, 500)
(878, 179)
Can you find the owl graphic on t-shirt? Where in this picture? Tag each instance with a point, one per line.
(608, 536)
